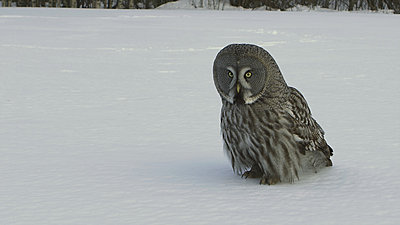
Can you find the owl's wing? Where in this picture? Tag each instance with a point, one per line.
(307, 131)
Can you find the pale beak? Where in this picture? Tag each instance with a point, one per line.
(237, 88)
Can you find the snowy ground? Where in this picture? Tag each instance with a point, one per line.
(111, 117)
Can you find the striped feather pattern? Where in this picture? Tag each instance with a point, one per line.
(277, 139)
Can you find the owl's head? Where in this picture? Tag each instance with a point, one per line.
(243, 73)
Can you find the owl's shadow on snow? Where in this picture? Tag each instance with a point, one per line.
(205, 172)
(200, 172)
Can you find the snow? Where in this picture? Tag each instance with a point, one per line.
(111, 117)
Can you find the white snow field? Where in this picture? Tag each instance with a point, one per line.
(112, 117)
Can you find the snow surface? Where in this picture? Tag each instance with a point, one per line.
(111, 117)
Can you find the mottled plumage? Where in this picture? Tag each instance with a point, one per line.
(266, 126)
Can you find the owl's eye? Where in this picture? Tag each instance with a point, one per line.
(230, 74)
(248, 74)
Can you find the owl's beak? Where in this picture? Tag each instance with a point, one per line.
(238, 98)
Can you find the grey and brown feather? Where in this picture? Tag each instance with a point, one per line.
(266, 126)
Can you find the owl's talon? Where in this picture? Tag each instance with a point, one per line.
(269, 180)
(253, 173)
(246, 174)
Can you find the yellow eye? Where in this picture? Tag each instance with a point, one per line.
(230, 74)
(248, 74)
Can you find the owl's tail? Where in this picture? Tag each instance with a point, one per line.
(328, 160)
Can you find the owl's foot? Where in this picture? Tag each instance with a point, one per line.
(255, 172)
(270, 180)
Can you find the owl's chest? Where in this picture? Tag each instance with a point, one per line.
(247, 128)
(242, 129)
(245, 119)
(238, 120)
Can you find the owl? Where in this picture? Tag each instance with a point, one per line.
(267, 128)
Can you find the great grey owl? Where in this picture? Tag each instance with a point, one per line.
(266, 126)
